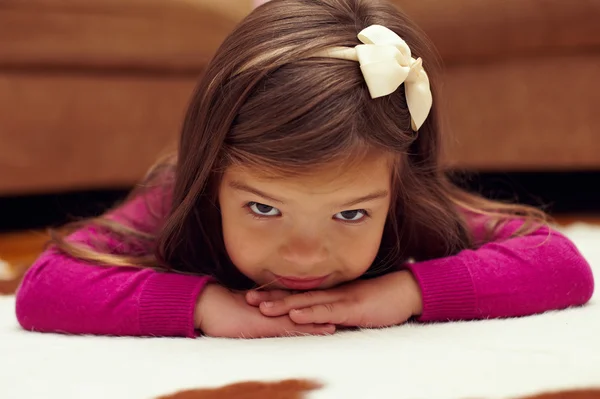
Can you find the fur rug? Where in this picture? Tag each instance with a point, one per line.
(486, 359)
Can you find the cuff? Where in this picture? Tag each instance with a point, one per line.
(167, 304)
(447, 289)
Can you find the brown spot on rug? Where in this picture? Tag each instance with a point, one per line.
(572, 394)
(287, 389)
(296, 389)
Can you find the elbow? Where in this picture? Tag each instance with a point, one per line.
(29, 298)
(584, 281)
(578, 278)
(571, 276)
(23, 306)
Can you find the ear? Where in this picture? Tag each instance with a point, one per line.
(257, 3)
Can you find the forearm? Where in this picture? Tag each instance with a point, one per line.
(514, 277)
(61, 294)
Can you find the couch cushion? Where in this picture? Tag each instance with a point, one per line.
(463, 30)
(183, 34)
(511, 116)
(146, 34)
(84, 131)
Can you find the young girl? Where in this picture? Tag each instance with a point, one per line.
(306, 195)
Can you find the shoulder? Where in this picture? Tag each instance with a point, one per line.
(489, 227)
(145, 207)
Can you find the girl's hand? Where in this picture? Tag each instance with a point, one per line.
(223, 313)
(380, 302)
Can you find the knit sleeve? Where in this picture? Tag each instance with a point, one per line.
(506, 277)
(63, 294)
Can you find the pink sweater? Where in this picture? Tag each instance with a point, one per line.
(505, 278)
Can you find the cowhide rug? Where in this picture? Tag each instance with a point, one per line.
(550, 356)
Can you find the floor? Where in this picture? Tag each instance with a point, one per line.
(20, 249)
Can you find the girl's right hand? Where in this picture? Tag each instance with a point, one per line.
(223, 313)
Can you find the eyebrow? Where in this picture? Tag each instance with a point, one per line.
(369, 197)
(238, 185)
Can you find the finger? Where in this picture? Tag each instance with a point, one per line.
(283, 326)
(308, 329)
(329, 313)
(298, 301)
(255, 297)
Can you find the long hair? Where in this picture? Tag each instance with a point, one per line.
(265, 102)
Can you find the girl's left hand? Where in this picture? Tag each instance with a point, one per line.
(379, 302)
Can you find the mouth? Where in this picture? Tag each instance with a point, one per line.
(295, 283)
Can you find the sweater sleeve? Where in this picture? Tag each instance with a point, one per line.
(507, 277)
(63, 294)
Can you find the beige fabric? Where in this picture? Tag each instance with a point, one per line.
(524, 114)
(92, 91)
(171, 36)
(80, 131)
(486, 30)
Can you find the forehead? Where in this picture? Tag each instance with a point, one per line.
(372, 171)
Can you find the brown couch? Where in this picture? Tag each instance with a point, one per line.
(92, 91)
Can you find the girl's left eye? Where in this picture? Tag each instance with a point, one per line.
(259, 209)
(355, 215)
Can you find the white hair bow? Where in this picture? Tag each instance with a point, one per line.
(386, 62)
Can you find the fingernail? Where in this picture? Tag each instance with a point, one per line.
(268, 304)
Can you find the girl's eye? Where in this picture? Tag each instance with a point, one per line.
(263, 210)
(355, 215)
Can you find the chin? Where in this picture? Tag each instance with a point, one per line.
(269, 282)
(332, 284)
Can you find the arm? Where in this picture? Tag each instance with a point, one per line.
(508, 277)
(62, 294)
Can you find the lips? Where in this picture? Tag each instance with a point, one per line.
(295, 283)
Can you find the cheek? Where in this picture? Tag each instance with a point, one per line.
(247, 248)
(358, 251)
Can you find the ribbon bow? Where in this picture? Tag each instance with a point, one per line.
(386, 62)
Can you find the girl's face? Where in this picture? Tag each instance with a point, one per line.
(306, 232)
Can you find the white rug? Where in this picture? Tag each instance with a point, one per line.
(490, 359)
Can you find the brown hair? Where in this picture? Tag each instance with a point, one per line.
(265, 102)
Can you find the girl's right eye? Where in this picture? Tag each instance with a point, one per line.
(263, 210)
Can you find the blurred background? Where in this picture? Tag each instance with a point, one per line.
(93, 91)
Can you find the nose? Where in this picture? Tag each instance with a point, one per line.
(304, 251)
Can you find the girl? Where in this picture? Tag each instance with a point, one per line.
(308, 161)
